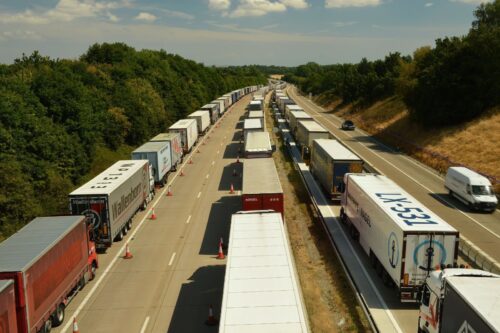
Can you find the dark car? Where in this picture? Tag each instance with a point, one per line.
(348, 125)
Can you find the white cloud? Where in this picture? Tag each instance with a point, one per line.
(297, 4)
(429, 4)
(20, 34)
(344, 24)
(257, 8)
(219, 4)
(351, 3)
(143, 16)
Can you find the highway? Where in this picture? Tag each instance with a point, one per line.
(424, 183)
(174, 275)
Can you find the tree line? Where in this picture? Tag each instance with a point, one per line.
(453, 82)
(55, 114)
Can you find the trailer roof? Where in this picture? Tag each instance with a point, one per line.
(183, 123)
(261, 292)
(300, 115)
(21, 250)
(335, 149)
(294, 107)
(255, 114)
(257, 142)
(396, 202)
(260, 176)
(111, 178)
(253, 123)
(151, 146)
(165, 136)
(199, 113)
(255, 102)
(210, 106)
(482, 295)
(312, 126)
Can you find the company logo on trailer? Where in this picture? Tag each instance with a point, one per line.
(125, 200)
(466, 328)
(94, 218)
(393, 250)
(428, 247)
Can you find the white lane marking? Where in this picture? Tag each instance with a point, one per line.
(199, 194)
(417, 182)
(213, 162)
(145, 325)
(171, 259)
(207, 176)
(218, 151)
(189, 219)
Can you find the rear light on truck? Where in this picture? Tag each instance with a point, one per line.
(406, 295)
(406, 279)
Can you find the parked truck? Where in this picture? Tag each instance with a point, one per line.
(460, 300)
(252, 125)
(220, 103)
(50, 260)
(159, 157)
(188, 129)
(404, 239)
(294, 117)
(214, 111)
(330, 161)
(176, 152)
(258, 144)
(307, 132)
(261, 186)
(112, 198)
(8, 316)
(255, 106)
(202, 118)
(291, 107)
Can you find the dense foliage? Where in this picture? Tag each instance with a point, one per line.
(453, 82)
(55, 115)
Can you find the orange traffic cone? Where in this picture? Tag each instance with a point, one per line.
(221, 255)
(221, 242)
(231, 191)
(169, 192)
(211, 321)
(181, 173)
(153, 215)
(128, 254)
(75, 326)
(190, 161)
(198, 151)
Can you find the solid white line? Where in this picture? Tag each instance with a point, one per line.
(207, 176)
(171, 259)
(145, 325)
(213, 162)
(199, 194)
(417, 182)
(218, 151)
(189, 219)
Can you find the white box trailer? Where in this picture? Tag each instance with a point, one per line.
(229, 98)
(255, 105)
(294, 118)
(176, 151)
(258, 144)
(222, 107)
(404, 239)
(283, 101)
(202, 118)
(261, 291)
(112, 198)
(291, 107)
(188, 129)
(226, 102)
(214, 111)
(159, 157)
(309, 130)
(252, 125)
(259, 114)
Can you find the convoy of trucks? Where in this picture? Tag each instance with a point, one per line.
(188, 129)
(404, 239)
(112, 198)
(202, 118)
(45, 263)
(460, 300)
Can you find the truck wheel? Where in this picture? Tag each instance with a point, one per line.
(58, 316)
(119, 237)
(93, 270)
(47, 327)
(129, 224)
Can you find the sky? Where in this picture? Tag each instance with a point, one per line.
(233, 32)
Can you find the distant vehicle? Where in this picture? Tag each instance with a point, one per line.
(112, 198)
(471, 188)
(348, 125)
(202, 120)
(258, 144)
(188, 129)
(404, 239)
(176, 151)
(460, 300)
(50, 260)
(158, 154)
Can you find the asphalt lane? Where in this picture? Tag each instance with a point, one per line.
(174, 275)
(425, 184)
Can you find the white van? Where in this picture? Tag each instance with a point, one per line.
(471, 188)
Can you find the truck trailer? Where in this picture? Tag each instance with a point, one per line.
(158, 155)
(50, 260)
(176, 151)
(404, 239)
(222, 106)
(294, 117)
(291, 107)
(214, 111)
(188, 129)
(307, 132)
(202, 118)
(252, 125)
(255, 106)
(112, 198)
(8, 316)
(261, 188)
(330, 161)
(258, 144)
(460, 300)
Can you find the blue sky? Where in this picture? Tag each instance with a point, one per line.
(233, 32)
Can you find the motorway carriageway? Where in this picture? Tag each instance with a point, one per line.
(425, 184)
(174, 275)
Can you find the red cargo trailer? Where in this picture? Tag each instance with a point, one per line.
(8, 321)
(261, 186)
(50, 260)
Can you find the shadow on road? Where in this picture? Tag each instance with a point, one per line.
(203, 288)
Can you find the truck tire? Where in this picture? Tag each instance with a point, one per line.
(58, 315)
(119, 237)
(93, 270)
(47, 327)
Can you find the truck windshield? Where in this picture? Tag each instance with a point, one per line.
(481, 190)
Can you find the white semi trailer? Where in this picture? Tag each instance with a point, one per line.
(404, 239)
